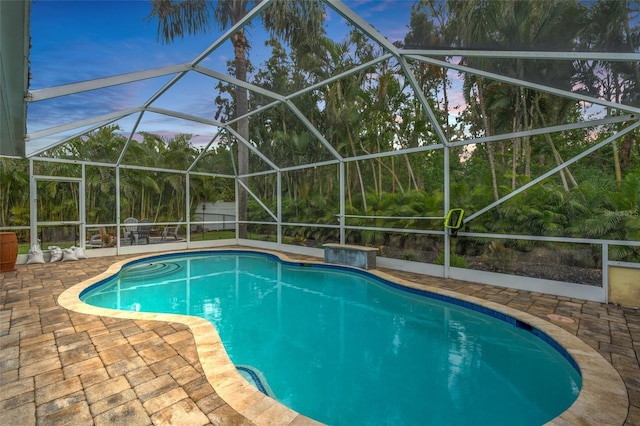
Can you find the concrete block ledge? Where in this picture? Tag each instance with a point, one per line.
(350, 255)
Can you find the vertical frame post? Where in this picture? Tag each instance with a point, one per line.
(237, 189)
(605, 271)
(83, 206)
(279, 206)
(447, 206)
(118, 241)
(342, 209)
(187, 213)
(33, 205)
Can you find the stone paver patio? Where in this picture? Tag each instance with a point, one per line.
(61, 367)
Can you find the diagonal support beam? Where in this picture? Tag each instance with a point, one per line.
(99, 83)
(203, 55)
(545, 130)
(315, 86)
(313, 130)
(38, 151)
(555, 170)
(204, 151)
(252, 148)
(113, 116)
(352, 17)
(534, 86)
(183, 116)
(341, 75)
(415, 85)
(232, 80)
(129, 139)
(224, 37)
(511, 54)
(255, 197)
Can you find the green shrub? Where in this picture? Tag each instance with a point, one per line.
(498, 257)
(454, 260)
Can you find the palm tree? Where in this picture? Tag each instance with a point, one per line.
(177, 18)
(14, 183)
(617, 217)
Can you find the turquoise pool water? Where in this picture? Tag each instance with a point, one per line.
(346, 348)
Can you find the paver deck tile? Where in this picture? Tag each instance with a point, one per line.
(71, 409)
(112, 402)
(90, 378)
(165, 400)
(155, 387)
(49, 377)
(185, 374)
(117, 353)
(82, 367)
(144, 340)
(140, 375)
(43, 366)
(107, 388)
(168, 365)
(157, 353)
(23, 415)
(62, 367)
(58, 390)
(125, 365)
(185, 412)
(131, 414)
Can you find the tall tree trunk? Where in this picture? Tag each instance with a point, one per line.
(556, 154)
(527, 158)
(380, 190)
(527, 111)
(159, 205)
(353, 148)
(616, 161)
(376, 188)
(445, 97)
(488, 132)
(347, 185)
(393, 170)
(412, 177)
(394, 176)
(142, 202)
(516, 149)
(242, 107)
(627, 148)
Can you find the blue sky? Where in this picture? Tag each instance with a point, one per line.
(78, 40)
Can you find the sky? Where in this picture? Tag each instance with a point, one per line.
(79, 40)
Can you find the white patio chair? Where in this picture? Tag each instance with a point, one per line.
(171, 230)
(131, 229)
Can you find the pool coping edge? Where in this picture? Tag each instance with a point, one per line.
(603, 398)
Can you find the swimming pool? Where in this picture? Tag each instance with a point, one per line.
(346, 347)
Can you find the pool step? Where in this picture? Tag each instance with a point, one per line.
(256, 378)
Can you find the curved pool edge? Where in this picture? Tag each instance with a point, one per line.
(603, 398)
